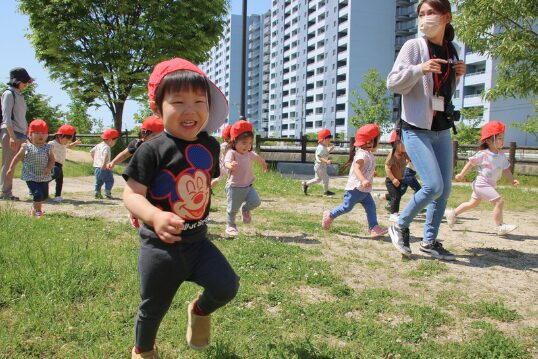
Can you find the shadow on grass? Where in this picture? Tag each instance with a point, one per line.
(508, 258)
(302, 238)
(509, 236)
(77, 202)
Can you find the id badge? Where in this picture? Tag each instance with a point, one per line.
(438, 103)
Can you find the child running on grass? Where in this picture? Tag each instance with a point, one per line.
(239, 190)
(101, 154)
(492, 164)
(38, 160)
(321, 162)
(395, 165)
(60, 144)
(360, 180)
(224, 147)
(168, 189)
(152, 126)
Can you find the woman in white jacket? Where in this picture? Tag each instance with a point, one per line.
(425, 73)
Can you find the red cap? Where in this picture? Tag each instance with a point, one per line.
(491, 128)
(323, 134)
(66, 130)
(366, 134)
(153, 124)
(393, 137)
(219, 104)
(110, 134)
(240, 127)
(39, 126)
(226, 133)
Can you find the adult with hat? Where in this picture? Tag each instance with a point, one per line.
(425, 73)
(321, 162)
(14, 126)
(492, 165)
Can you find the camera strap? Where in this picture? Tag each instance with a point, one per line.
(437, 80)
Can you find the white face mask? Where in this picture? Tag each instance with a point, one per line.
(429, 25)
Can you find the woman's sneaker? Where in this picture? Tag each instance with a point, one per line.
(450, 215)
(400, 239)
(377, 231)
(436, 250)
(505, 229)
(232, 231)
(58, 199)
(326, 220)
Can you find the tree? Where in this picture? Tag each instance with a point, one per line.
(531, 125)
(375, 107)
(141, 114)
(505, 30)
(103, 51)
(38, 106)
(77, 116)
(469, 133)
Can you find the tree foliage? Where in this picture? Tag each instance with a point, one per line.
(531, 125)
(38, 106)
(77, 116)
(468, 129)
(102, 51)
(375, 106)
(505, 30)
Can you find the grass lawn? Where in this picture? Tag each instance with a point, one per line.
(69, 289)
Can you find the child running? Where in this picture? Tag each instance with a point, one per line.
(60, 144)
(395, 165)
(101, 154)
(239, 190)
(168, 189)
(492, 164)
(360, 180)
(224, 147)
(152, 126)
(321, 162)
(38, 161)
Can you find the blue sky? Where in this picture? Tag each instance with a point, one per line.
(17, 51)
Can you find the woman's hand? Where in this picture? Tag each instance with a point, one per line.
(460, 68)
(433, 66)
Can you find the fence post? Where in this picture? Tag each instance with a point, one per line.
(126, 132)
(512, 156)
(351, 145)
(454, 154)
(258, 144)
(303, 148)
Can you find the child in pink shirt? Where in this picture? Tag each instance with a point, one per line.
(492, 164)
(239, 189)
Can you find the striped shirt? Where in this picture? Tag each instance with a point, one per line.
(35, 161)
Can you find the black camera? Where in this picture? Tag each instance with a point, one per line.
(451, 114)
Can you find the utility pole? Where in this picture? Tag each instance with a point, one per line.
(243, 63)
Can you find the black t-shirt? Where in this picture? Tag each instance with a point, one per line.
(133, 145)
(447, 87)
(178, 176)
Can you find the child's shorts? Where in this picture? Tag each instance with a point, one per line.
(39, 190)
(485, 193)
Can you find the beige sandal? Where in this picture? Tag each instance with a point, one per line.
(152, 354)
(198, 328)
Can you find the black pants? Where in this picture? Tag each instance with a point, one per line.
(162, 268)
(58, 177)
(395, 196)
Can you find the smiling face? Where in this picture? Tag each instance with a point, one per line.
(185, 113)
(496, 142)
(243, 145)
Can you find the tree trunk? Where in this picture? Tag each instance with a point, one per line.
(118, 115)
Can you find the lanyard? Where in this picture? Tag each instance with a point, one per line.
(437, 82)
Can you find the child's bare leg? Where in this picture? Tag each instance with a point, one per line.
(38, 206)
(465, 206)
(498, 211)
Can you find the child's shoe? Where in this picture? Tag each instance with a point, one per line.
(329, 193)
(109, 196)
(378, 199)
(247, 217)
(58, 199)
(394, 217)
(198, 328)
(377, 231)
(305, 188)
(505, 229)
(98, 196)
(327, 220)
(36, 214)
(450, 215)
(232, 231)
(152, 354)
